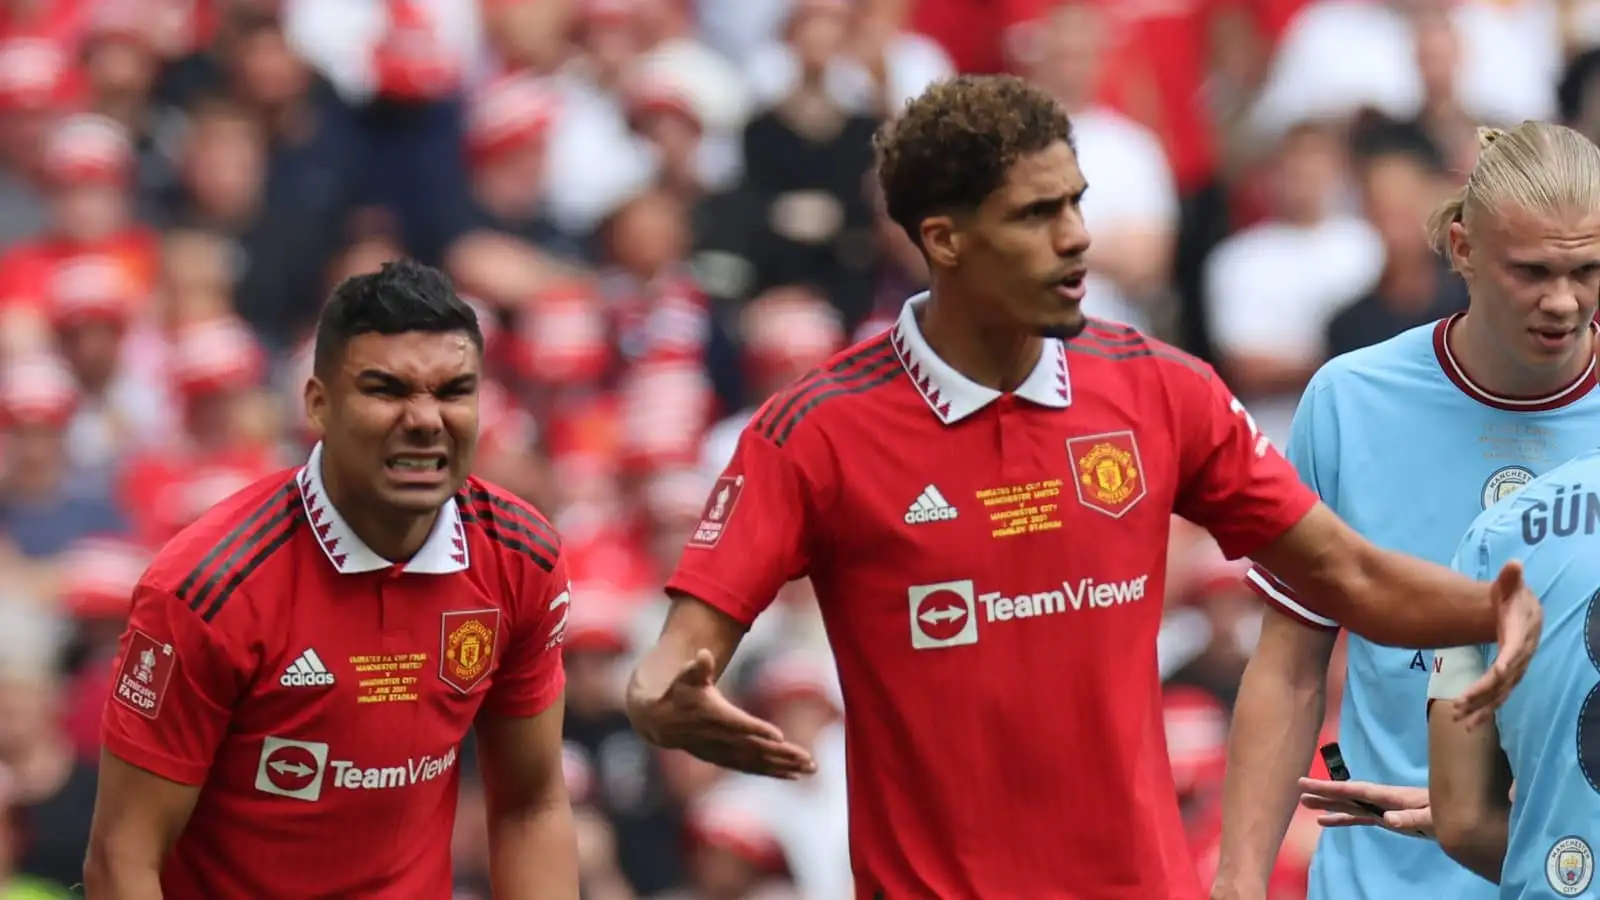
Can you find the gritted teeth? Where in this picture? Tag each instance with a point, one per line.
(417, 463)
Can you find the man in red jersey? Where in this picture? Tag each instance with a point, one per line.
(302, 664)
(981, 497)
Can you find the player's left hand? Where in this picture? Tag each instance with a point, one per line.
(1520, 617)
(1406, 808)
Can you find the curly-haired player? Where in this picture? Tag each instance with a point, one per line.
(981, 496)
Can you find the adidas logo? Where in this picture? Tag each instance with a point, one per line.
(306, 671)
(930, 506)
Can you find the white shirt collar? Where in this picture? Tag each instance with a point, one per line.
(444, 552)
(953, 396)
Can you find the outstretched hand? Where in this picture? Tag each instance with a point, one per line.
(695, 716)
(1404, 810)
(1520, 618)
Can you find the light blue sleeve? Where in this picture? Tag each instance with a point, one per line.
(1314, 439)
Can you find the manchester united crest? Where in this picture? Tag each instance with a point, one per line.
(467, 647)
(1107, 472)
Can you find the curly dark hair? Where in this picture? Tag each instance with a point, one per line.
(952, 146)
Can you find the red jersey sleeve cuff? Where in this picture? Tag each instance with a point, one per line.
(714, 595)
(526, 707)
(1283, 598)
(155, 762)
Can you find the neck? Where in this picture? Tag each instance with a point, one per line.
(998, 358)
(1496, 371)
(392, 535)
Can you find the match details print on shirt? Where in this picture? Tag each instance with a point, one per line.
(387, 677)
(1017, 509)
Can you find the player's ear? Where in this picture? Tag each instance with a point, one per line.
(1460, 249)
(941, 240)
(316, 404)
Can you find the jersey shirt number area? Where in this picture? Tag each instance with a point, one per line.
(1589, 716)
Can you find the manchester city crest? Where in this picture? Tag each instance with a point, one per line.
(1569, 867)
(1505, 482)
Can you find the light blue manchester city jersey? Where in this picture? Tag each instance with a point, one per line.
(1550, 725)
(1400, 442)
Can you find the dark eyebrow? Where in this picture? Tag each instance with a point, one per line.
(460, 383)
(1054, 202)
(386, 379)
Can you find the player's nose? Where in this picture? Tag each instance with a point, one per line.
(422, 414)
(1071, 235)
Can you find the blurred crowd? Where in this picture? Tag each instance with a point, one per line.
(663, 210)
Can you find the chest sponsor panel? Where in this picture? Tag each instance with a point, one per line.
(307, 770)
(955, 613)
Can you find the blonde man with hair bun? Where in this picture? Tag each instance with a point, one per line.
(1410, 440)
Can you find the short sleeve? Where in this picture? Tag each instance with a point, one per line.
(531, 676)
(1235, 484)
(752, 535)
(175, 685)
(1456, 668)
(1314, 429)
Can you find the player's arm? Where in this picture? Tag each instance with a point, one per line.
(1469, 779)
(1282, 698)
(1249, 497)
(1276, 721)
(175, 685)
(752, 539)
(1384, 596)
(1252, 500)
(533, 845)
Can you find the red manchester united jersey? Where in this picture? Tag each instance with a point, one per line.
(312, 689)
(991, 569)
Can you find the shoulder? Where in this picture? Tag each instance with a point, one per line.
(1407, 354)
(1567, 478)
(207, 562)
(1564, 482)
(1125, 347)
(513, 526)
(847, 381)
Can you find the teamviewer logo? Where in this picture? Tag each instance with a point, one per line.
(943, 615)
(291, 768)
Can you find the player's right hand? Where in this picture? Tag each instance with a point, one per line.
(1521, 617)
(1346, 803)
(694, 716)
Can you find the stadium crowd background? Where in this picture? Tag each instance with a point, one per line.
(663, 209)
